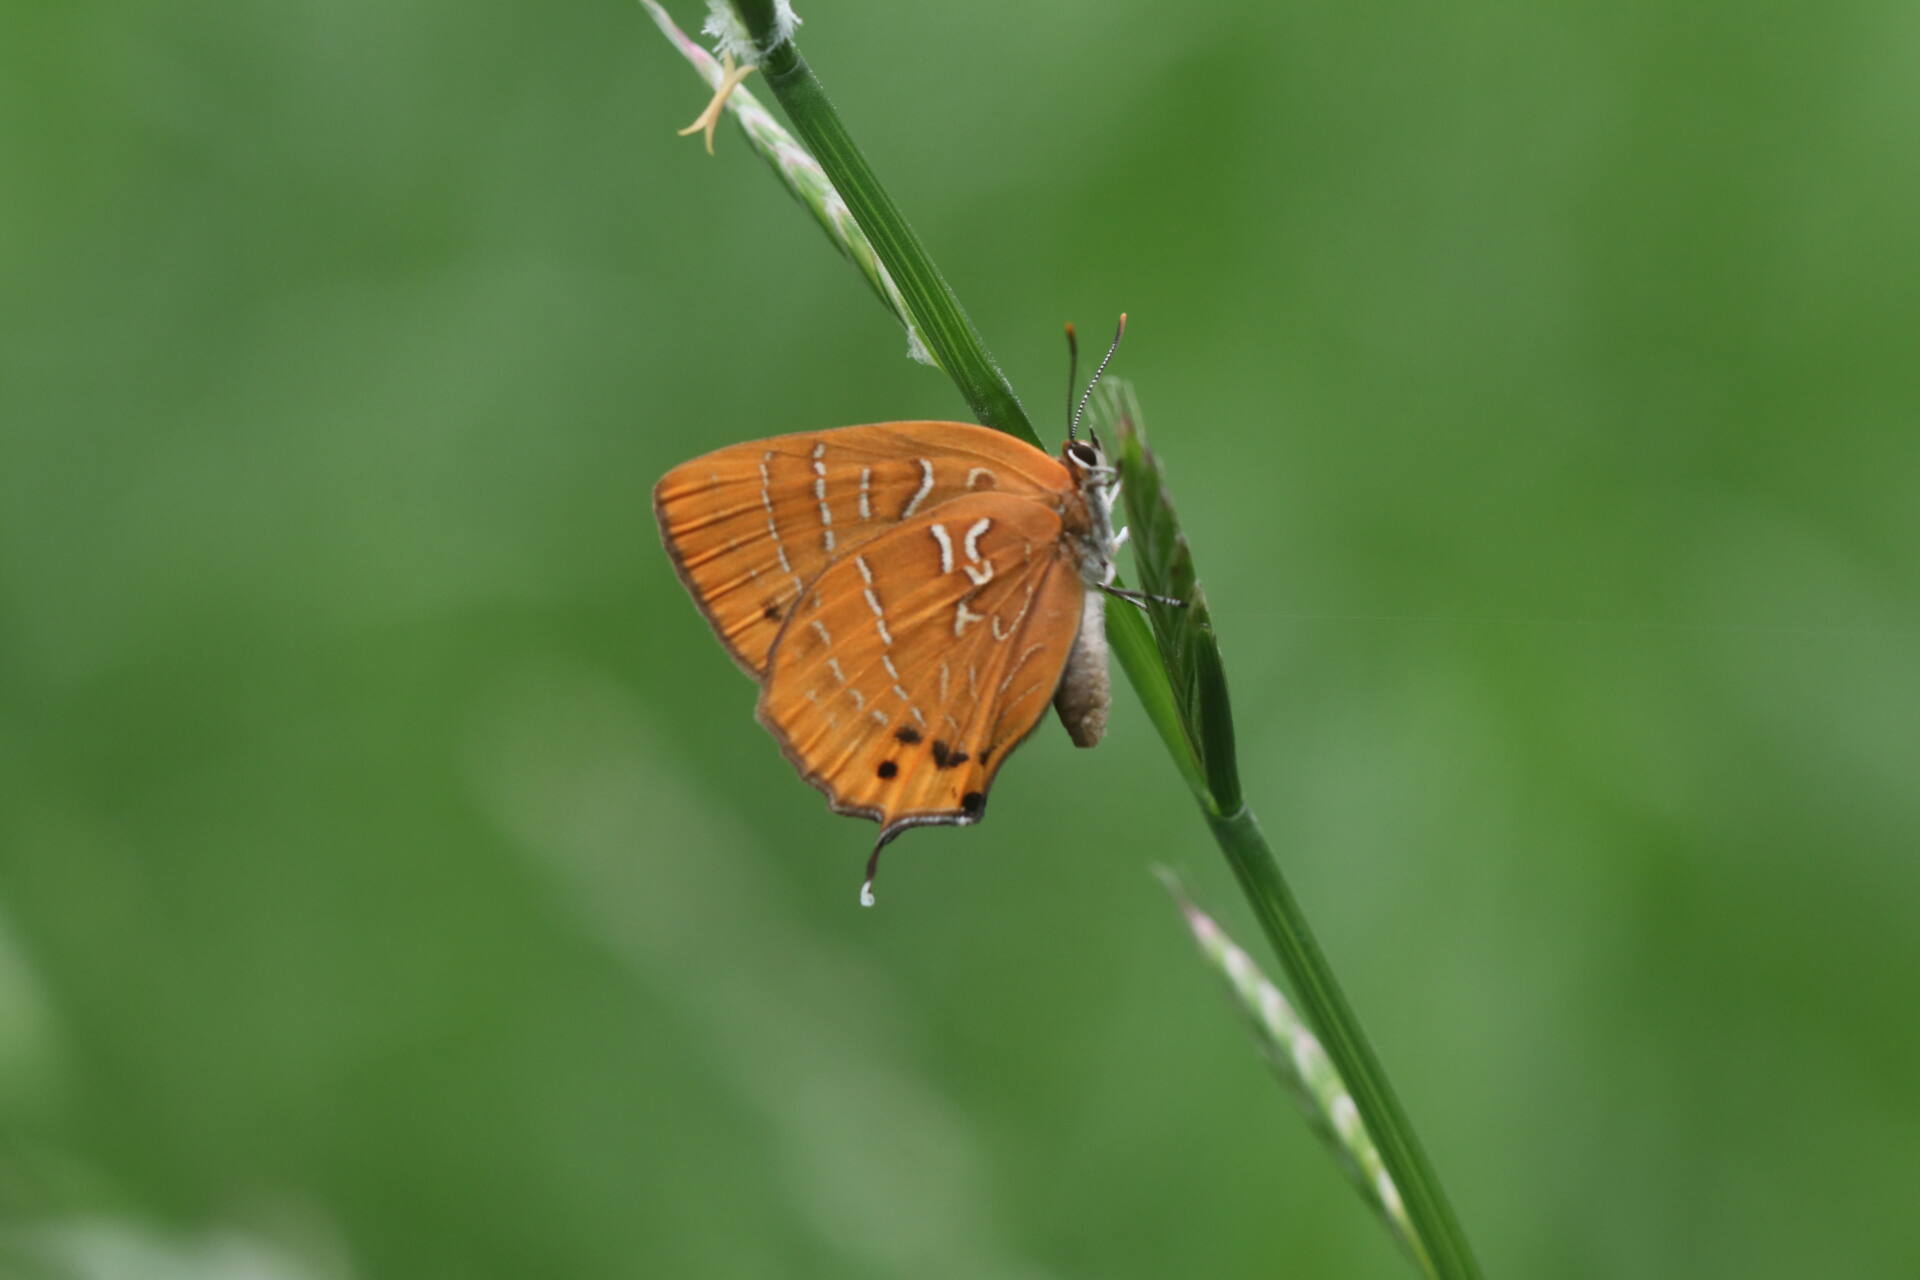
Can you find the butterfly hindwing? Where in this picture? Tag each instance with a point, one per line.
(751, 525)
(915, 662)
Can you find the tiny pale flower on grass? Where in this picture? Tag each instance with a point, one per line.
(731, 74)
(793, 164)
(1303, 1066)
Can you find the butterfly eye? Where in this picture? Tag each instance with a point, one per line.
(1083, 453)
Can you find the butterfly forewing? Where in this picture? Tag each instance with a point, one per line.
(750, 526)
(918, 660)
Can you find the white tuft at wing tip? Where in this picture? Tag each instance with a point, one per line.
(866, 894)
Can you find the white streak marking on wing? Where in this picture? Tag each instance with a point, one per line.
(974, 531)
(963, 615)
(886, 660)
(1015, 624)
(915, 713)
(1020, 662)
(866, 479)
(902, 694)
(945, 675)
(926, 487)
(1021, 696)
(879, 617)
(939, 532)
(976, 473)
(860, 562)
(859, 698)
(833, 665)
(820, 629)
(773, 530)
(820, 494)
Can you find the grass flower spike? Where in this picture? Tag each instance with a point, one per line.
(795, 166)
(1300, 1062)
(738, 57)
(731, 74)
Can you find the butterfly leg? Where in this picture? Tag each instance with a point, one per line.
(1120, 538)
(1142, 598)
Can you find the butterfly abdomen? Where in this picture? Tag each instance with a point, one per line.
(1085, 688)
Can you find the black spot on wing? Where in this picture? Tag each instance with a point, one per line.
(972, 803)
(887, 769)
(907, 734)
(946, 757)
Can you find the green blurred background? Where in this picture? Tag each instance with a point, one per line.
(393, 881)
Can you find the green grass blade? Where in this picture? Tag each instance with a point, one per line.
(1184, 632)
(1132, 643)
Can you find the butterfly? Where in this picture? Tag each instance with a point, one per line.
(910, 597)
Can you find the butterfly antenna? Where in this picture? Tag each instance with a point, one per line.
(1073, 373)
(1118, 334)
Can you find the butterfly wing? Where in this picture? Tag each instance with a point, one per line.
(913, 664)
(749, 526)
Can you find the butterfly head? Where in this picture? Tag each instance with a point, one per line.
(1094, 478)
(1086, 461)
(1097, 483)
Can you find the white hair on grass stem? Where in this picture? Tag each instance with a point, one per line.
(916, 349)
(730, 35)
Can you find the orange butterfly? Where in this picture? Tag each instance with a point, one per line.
(909, 596)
